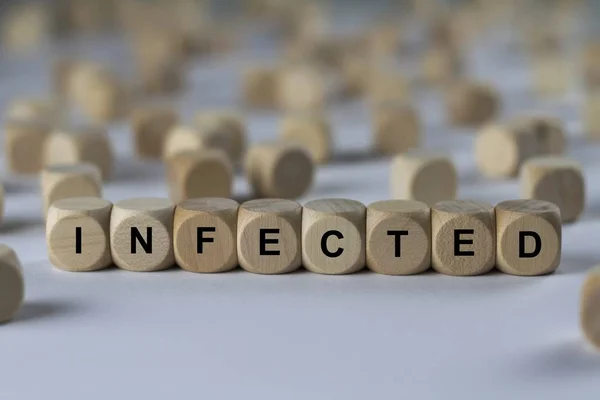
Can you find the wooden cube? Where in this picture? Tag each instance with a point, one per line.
(310, 130)
(333, 236)
(45, 111)
(589, 313)
(269, 237)
(279, 170)
(150, 126)
(80, 144)
(423, 176)
(528, 237)
(77, 234)
(259, 87)
(548, 131)
(24, 141)
(12, 286)
(441, 65)
(387, 85)
(141, 234)
(183, 138)
(25, 26)
(550, 74)
(463, 237)
(223, 130)
(396, 128)
(98, 92)
(204, 173)
(591, 114)
(398, 237)
(500, 150)
(471, 104)
(558, 180)
(204, 235)
(63, 181)
(302, 88)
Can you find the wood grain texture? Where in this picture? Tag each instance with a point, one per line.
(217, 220)
(558, 180)
(223, 130)
(396, 127)
(203, 173)
(269, 237)
(398, 237)
(153, 215)
(338, 227)
(463, 237)
(471, 103)
(150, 126)
(24, 141)
(423, 176)
(517, 224)
(279, 170)
(62, 181)
(311, 130)
(89, 215)
(80, 144)
(12, 286)
(589, 314)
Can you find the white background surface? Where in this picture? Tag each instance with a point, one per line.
(174, 334)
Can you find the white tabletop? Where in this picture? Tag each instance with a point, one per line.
(175, 334)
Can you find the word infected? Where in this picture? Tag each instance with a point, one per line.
(327, 236)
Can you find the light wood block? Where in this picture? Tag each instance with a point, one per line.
(269, 237)
(204, 173)
(204, 235)
(25, 26)
(398, 237)
(441, 65)
(80, 144)
(500, 150)
(387, 85)
(589, 314)
(558, 180)
(259, 87)
(396, 128)
(150, 127)
(279, 170)
(12, 286)
(223, 130)
(549, 132)
(528, 237)
(591, 66)
(333, 236)
(591, 114)
(45, 111)
(24, 141)
(183, 138)
(302, 88)
(97, 91)
(311, 130)
(141, 234)
(423, 176)
(550, 74)
(471, 104)
(63, 181)
(463, 237)
(77, 234)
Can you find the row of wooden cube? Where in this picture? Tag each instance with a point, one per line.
(327, 236)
